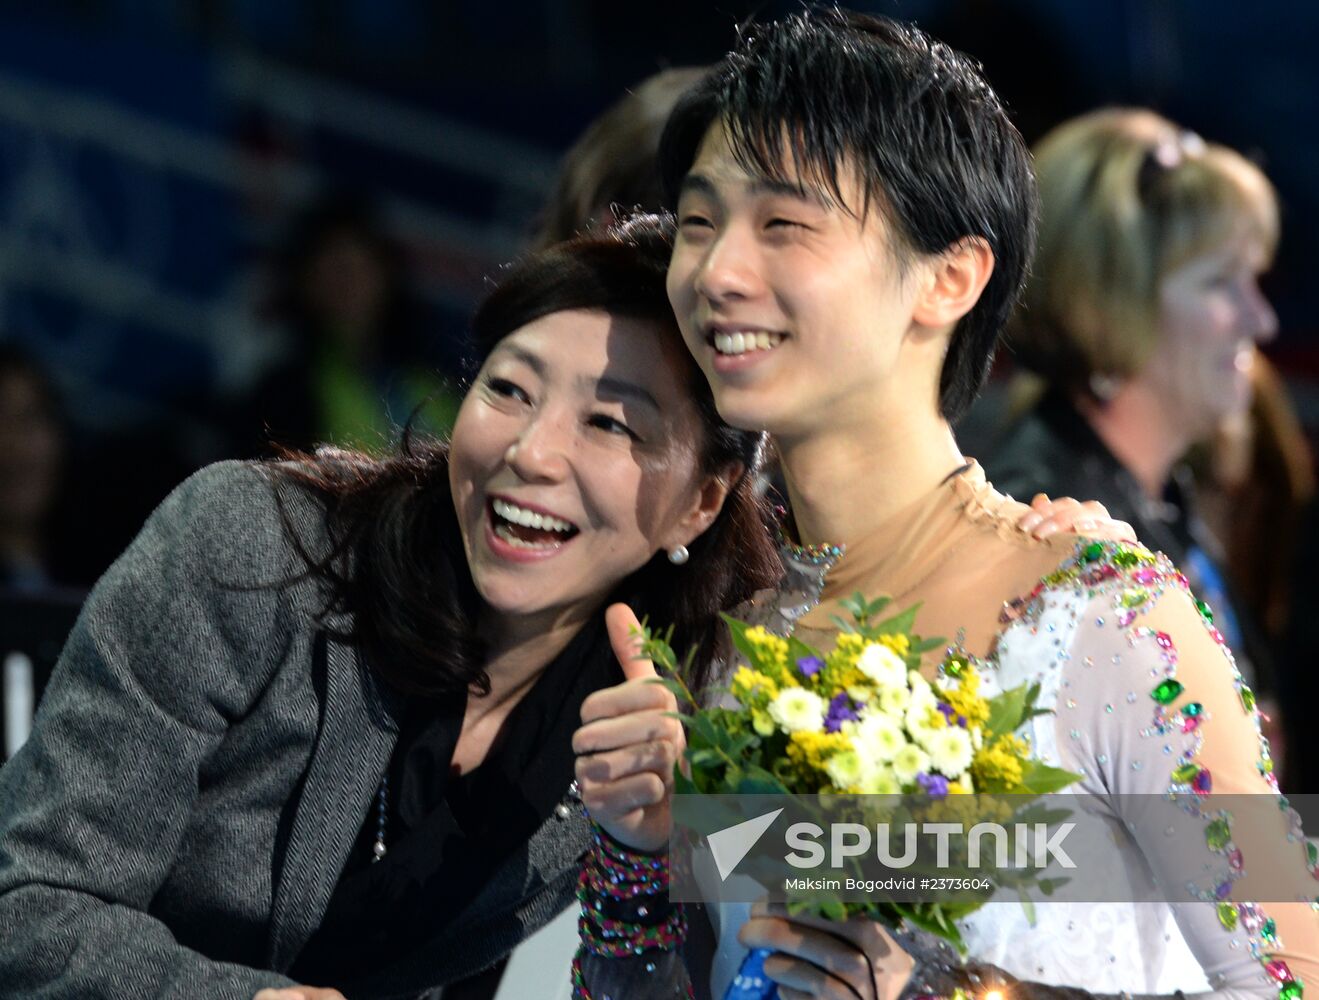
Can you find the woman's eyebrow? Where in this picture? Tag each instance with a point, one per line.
(532, 361)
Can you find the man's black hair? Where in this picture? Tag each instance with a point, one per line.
(932, 144)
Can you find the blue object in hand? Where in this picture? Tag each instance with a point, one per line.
(751, 983)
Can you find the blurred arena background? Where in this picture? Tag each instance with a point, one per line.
(167, 166)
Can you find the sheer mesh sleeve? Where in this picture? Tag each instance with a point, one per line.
(1158, 718)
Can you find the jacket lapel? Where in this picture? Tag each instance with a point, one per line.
(356, 736)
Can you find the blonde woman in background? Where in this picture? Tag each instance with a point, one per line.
(1142, 320)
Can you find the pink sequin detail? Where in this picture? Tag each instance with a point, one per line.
(1163, 639)
(1147, 575)
(1278, 970)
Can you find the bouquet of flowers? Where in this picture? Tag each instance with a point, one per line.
(860, 719)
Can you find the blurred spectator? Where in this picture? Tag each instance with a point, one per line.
(1255, 480)
(1142, 319)
(613, 163)
(355, 371)
(31, 463)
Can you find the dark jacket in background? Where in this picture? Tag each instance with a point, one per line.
(1052, 449)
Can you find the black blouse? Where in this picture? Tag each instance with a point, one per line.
(447, 834)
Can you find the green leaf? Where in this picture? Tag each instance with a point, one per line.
(1005, 711)
(842, 624)
(703, 727)
(737, 631)
(702, 757)
(901, 623)
(683, 785)
(1040, 778)
(833, 909)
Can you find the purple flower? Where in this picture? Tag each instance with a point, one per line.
(935, 785)
(810, 665)
(947, 711)
(841, 709)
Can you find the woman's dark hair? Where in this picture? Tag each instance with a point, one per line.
(613, 162)
(398, 564)
(932, 144)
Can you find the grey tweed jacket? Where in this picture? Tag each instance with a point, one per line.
(202, 761)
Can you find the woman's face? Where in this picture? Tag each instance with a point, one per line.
(574, 459)
(1211, 316)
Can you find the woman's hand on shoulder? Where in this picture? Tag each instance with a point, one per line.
(299, 993)
(814, 957)
(628, 744)
(1048, 517)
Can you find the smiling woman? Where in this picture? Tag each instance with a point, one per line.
(574, 461)
(348, 685)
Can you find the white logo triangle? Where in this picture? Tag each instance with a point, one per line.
(731, 844)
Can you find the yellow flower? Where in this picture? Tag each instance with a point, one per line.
(999, 763)
(769, 652)
(752, 688)
(965, 700)
(812, 750)
(900, 644)
(846, 649)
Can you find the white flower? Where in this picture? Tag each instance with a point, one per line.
(919, 713)
(859, 693)
(950, 750)
(894, 700)
(910, 761)
(795, 709)
(977, 738)
(882, 665)
(882, 782)
(879, 738)
(846, 769)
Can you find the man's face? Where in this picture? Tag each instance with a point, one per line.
(794, 307)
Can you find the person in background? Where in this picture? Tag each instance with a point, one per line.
(612, 164)
(1255, 485)
(1141, 321)
(355, 371)
(31, 460)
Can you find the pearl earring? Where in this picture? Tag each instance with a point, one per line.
(679, 555)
